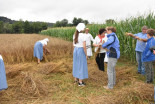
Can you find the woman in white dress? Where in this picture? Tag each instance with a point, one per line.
(89, 38)
(100, 57)
(80, 70)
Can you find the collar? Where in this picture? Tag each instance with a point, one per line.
(111, 34)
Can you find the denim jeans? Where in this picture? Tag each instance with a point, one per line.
(141, 66)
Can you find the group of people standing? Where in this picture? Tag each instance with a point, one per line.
(145, 55)
(106, 43)
(107, 49)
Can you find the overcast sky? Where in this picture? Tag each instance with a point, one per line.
(93, 10)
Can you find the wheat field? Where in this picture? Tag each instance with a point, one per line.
(51, 82)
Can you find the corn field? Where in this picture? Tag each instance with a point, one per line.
(127, 44)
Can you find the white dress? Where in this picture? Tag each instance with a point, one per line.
(97, 41)
(89, 38)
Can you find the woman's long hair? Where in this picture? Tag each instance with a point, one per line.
(76, 36)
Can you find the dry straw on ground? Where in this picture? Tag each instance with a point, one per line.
(51, 82)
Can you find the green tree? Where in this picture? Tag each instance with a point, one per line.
(1, 26)
(8, 28)
(18, 27)
(36, 27)
(27, 27)
(86, 22)
(75, 21)
(57, 24)
(110, 21)
(64, 22)
(44, 26)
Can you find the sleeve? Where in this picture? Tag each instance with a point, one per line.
(95, 40)
(92, 39)
(135, 34)
(150, 46)
(109, 41)
(146, 37)
(45, 43)
(73, 37)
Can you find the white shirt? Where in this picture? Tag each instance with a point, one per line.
(89, 38)
(1, 57)
(81, 39)
(97, 42)
(43, 42)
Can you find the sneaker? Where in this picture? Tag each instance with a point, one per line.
(107, 88)
(138, 72)
(81, 84)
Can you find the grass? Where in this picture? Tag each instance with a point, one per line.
(51, 82)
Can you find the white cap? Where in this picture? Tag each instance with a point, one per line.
(80, 27)
(46, 39)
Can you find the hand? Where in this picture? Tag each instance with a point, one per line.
(97, 45)
(154, 52)
(86, 57)
(48, 52)
(100, 46)
(128, 34)
(137, 37)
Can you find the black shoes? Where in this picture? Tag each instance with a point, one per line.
(81, 84)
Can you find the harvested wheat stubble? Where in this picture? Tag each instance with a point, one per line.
(134, 94)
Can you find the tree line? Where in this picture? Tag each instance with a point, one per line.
(22, 27)
(65, 23)
(11, 26)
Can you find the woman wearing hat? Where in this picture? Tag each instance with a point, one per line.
(3, 81)
(39, 47)
(80, 70)
(89, 38)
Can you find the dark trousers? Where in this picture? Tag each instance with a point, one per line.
(149, 71)
(100, 61)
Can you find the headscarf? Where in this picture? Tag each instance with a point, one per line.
(46, 39)
(80, 27)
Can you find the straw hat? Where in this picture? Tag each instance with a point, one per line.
(87, 29)
(80, 27)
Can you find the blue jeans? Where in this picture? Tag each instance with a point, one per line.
(141, 66)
